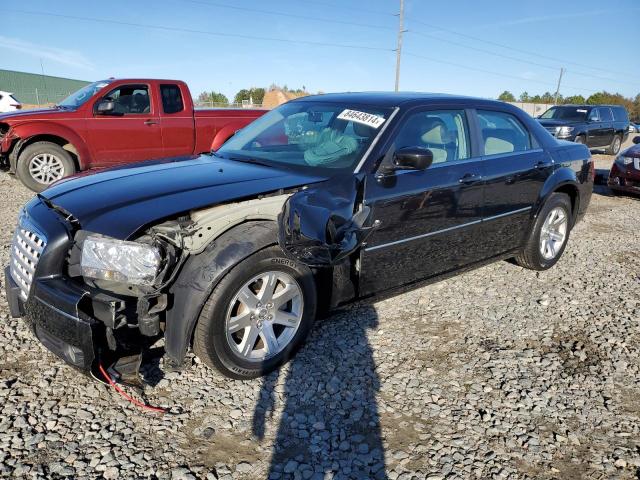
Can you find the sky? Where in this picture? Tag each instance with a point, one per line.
(466, 47)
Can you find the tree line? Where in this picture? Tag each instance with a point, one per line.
(254, 94)
(599, 98)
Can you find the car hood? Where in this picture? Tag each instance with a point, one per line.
(35, 113)
(120, 201)
(556, 123)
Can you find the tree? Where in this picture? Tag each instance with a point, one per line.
(215, 98)
(524, 97)
(574, 100)
(547, 97)
(507, 96)
(255, 94)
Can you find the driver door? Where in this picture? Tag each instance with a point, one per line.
(130, 133)
(429, 220)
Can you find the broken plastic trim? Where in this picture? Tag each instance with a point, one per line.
(324, 224)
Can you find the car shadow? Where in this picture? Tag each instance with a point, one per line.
(330, 423)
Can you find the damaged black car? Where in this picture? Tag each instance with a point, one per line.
(323, 201)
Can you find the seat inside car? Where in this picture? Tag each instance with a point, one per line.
(428, 132)
(499, 140)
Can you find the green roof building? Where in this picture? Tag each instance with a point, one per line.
(35, 89)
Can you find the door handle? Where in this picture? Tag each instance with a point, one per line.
(150, 122)
(469, 178)
(541, 165)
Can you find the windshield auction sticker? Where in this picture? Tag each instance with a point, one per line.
(361, 117)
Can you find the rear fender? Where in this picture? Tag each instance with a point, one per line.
(562, 179)
(226, 132)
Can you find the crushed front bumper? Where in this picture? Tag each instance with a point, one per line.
(625, 179)
(52, 315)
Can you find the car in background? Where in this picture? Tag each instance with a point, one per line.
(595, 126)
(9, 103)
(634, 127)
(624, 176)
(324, 200)
(113, 122)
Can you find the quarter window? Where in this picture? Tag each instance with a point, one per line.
(130, 99)
(171, 99)
(444, 132)
(503, 133)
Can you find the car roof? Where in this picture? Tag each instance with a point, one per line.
(588, 106)
(396, 99)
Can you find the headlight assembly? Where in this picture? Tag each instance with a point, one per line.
(564, 131)
(105, 258)
(623, 161)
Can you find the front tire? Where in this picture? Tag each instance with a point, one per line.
(257, 317)
(549, 235)
(43, 163)
(581, 140)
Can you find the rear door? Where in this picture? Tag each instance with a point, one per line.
(131, 133)
(606, 118)
(429, 220)
(515, 170)
(178, 130)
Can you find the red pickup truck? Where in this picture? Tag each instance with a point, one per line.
(112, 122)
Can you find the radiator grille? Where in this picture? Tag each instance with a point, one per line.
(25, 253)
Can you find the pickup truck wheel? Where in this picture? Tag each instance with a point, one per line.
(580, 139)
(616, 143)
(42, 163)
(257, 317)
(549, 235)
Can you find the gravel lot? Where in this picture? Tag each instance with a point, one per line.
(497, 373)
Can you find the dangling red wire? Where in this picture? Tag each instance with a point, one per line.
(108, 378)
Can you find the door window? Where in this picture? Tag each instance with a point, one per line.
(171, 99)
(605, 114)
(503, 133)
(594, 116)
(444, 132)
(130, 99)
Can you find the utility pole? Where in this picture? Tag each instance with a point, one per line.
(555, 100)
(399, 49)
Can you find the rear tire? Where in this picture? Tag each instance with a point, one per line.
(616, 143)
(232, 352)
(43, 163)
(544, 248)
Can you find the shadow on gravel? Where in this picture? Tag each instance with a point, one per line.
(330, 422)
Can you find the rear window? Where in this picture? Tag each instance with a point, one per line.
(171, 98)
(620, 114)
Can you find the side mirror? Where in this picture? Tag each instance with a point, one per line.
(105, 107)
(413, 158)
(636, 140)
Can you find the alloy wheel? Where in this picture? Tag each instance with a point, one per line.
(264, 316)
(46, 168)
(553, 233)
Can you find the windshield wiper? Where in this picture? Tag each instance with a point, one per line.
(243, 159)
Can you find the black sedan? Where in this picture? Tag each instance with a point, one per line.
(322, 201)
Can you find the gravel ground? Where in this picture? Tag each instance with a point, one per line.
(497, 373)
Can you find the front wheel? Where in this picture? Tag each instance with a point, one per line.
(257, 317)
(549, 236)
(43, 163)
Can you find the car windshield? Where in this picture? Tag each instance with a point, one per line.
(85, 93)
(571, 114)
(324, 137)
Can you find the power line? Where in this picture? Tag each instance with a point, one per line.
(346, 7)
(288, 15)
(490, 72)
(199, 32)
(526, 52)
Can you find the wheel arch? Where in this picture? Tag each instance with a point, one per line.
(58, 135)
(201, 273)
(564, 181)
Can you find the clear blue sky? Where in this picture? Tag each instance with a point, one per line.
(594, 37)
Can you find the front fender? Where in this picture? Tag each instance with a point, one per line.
(201, 273)
(28, 130)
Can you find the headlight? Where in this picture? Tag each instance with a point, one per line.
(624, 160)
(564, 130)
(105, 258)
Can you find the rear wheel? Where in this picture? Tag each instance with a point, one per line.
(616, 143)
(549, 236)
(43, 163)
(257, 317)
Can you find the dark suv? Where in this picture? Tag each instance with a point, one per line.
(593, 125)
(322, 201)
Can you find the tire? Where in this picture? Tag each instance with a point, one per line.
(532, 256)
(48, 154)
(580, 139)
(219, 349)
(616, 143)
